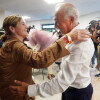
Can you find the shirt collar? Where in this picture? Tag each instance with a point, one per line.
(79, 26)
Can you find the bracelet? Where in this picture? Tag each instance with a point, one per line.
(69, 38)
(65, 39)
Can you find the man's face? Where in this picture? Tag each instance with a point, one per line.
(63, 24)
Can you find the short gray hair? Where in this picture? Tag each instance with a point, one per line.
(68, 10)
(71, 11)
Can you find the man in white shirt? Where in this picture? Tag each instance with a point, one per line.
(74, 76)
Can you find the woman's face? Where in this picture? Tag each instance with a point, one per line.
(21, 29)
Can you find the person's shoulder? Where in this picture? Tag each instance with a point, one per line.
(80, 43)
(14, 43)
(85, 46)
(80, 46)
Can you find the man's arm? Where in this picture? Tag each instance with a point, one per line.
(71, 67)
(56, 85)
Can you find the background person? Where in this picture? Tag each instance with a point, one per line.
(92, 29)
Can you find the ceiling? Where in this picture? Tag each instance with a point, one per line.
(39, 9)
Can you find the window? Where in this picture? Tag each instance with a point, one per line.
(48, 27)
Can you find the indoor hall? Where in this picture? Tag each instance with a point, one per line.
(39, 16)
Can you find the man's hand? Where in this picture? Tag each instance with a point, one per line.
(80, 35)
(20, 89)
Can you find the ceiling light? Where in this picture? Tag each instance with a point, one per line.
(53, 1)
(25, 17)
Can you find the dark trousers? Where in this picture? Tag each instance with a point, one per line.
(78, 94)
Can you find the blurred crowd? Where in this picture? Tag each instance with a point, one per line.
(94, 29)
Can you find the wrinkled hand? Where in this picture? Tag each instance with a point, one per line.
(80, 35)
(20, 89)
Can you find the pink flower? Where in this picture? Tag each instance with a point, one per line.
(43, 38)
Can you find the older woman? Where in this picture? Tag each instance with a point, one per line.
(17, 60)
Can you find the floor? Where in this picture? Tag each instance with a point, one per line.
(41, 76)
(96, 85)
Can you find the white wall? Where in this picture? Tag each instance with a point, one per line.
(84, 20)
(39, 23)
(87, 18)
(2, 16)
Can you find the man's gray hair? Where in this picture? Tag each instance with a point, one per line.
(71, 11)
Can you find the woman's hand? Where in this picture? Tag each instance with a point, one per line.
(80, 35)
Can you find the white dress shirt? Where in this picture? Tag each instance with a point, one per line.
(75, 71)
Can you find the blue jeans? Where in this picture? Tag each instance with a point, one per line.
(94, 57)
